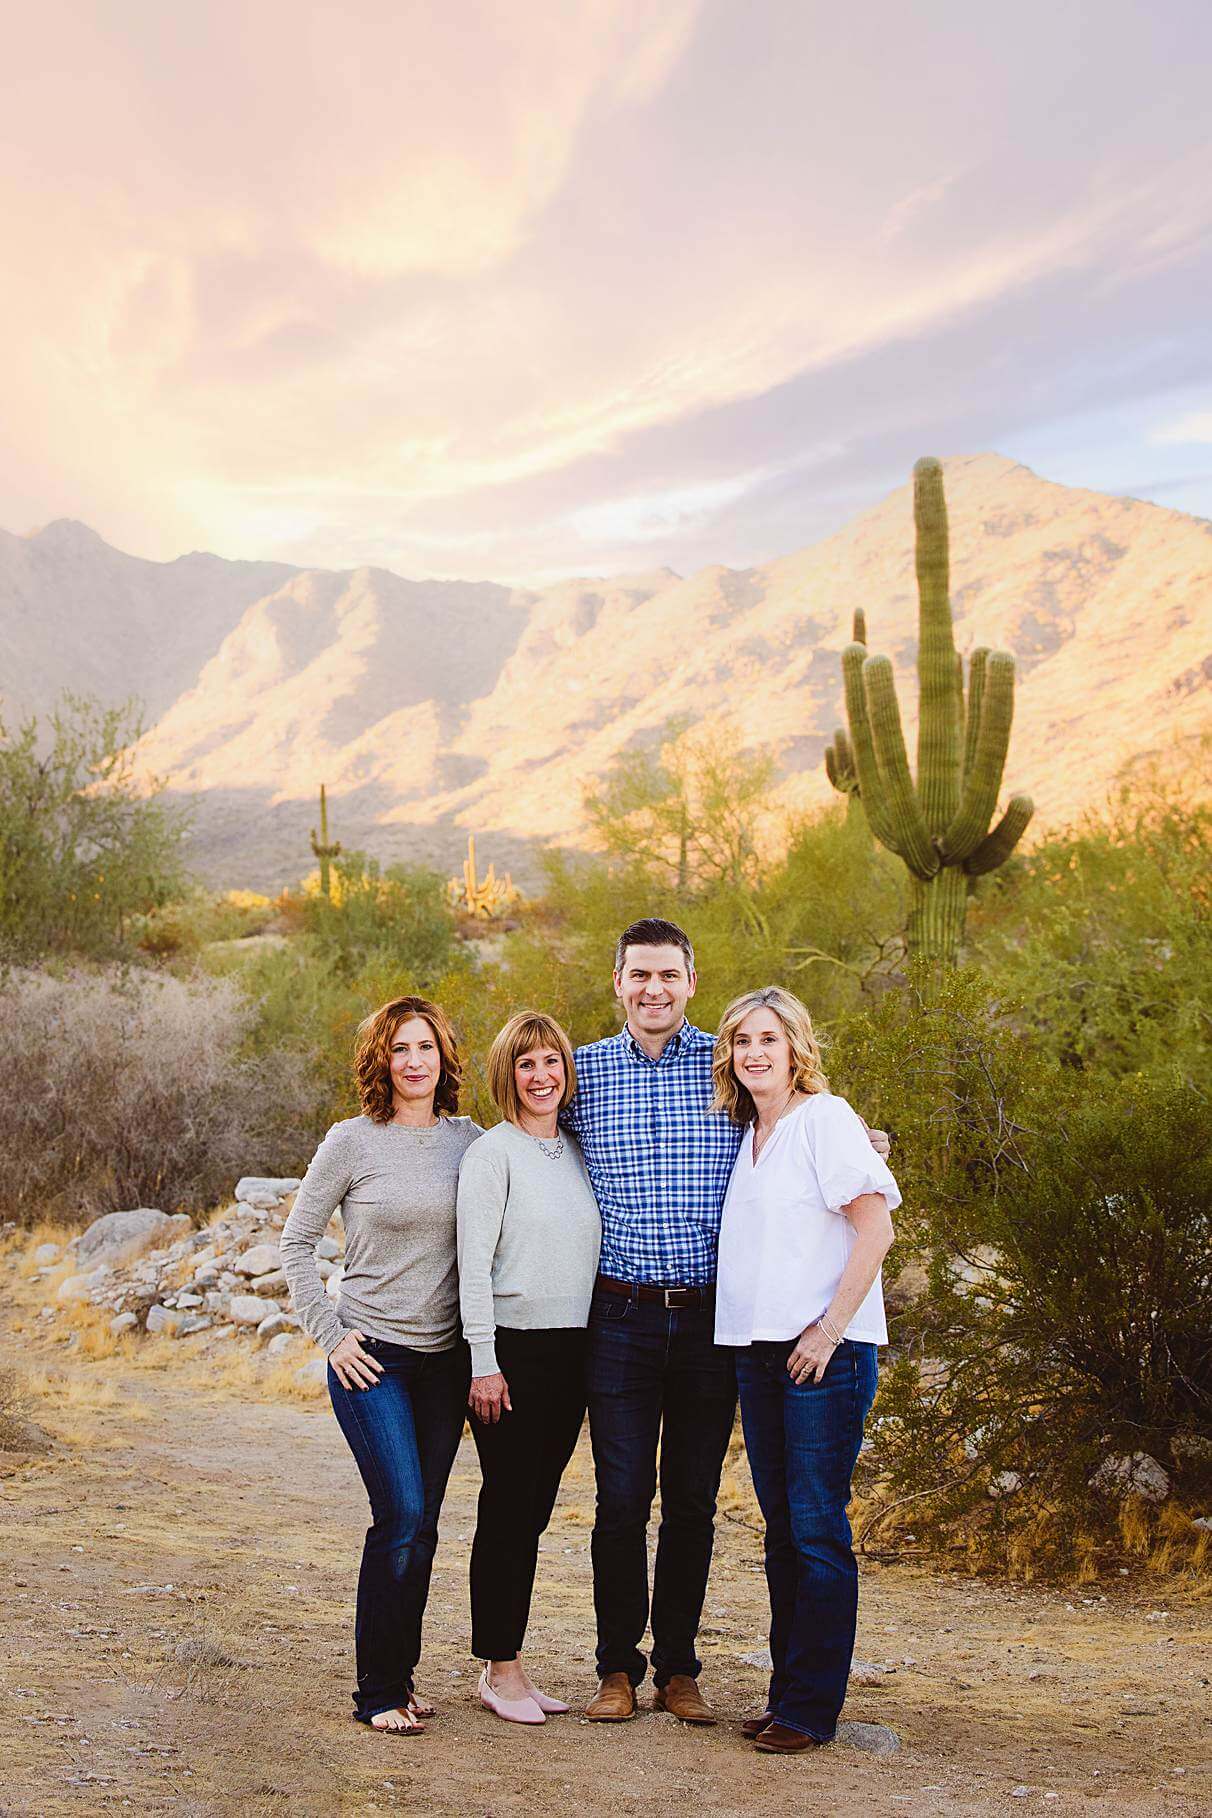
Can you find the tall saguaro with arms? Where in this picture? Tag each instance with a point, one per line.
(941, 825)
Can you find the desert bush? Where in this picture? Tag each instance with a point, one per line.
(380, 934)
(127, 1088)
(181, 929)
(1067, 1319)
(690, 814)
(83, 846)
(1104, 935)
(398, 917)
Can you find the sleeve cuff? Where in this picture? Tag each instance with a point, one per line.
(484, 1359)
(852, 1185)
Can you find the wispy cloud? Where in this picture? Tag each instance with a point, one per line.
(519, 289)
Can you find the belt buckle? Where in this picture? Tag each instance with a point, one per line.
(671, 1306)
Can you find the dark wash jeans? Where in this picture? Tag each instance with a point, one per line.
(802, 1441)
(654, 1372)
(522, 1459)
(404, 1434)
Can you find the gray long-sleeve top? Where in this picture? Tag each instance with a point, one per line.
(529, 1233)
(396, 1188)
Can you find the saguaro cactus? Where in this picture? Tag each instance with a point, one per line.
(321, 847)
(483, 898)
(940, 826)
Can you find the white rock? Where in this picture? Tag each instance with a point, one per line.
(272, 1324)
(328, 1249)
(246, 1310)
(1139, 1475)
(866, 1672)
(269, 1284)
(119, 1237)
(760, 1657)
(264, 1191)
(315, 1371)
(164, 1319)
(1003, 1483)
(206, 1276)
(189, 1300)
(1204, 1522)
(46, 1254)
(332, 1287)
(262, 1259)
(281, 1343)
(872, 1738)
(82, 1287)
(324, 1268)
(194, 1322)
(125, 1322)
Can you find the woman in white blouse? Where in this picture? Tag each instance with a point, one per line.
(806, 1226)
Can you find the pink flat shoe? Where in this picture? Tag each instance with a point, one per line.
(554, 1707)
(513, 1710)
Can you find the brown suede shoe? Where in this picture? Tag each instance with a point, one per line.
(614, 1701)
(680, 1696)
(778, 1739)
(753, 1726)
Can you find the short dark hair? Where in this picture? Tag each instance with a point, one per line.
(653, 932)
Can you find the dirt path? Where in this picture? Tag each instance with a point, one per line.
(177, 1638)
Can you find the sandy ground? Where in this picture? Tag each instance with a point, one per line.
(177, 1638)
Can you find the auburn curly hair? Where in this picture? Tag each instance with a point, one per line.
(372, 1057)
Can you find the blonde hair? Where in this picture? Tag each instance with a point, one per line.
(529, 1029)
(807, 1073)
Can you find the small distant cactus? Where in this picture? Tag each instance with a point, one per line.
(322, 849)
(483, 898)
(940, 825)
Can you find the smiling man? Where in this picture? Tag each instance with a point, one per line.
(659, 1165)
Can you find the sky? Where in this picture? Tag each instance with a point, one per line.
(515, 289)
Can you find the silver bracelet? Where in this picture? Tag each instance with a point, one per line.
(830, 1330)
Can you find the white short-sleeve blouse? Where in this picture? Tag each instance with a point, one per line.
(783, 1240)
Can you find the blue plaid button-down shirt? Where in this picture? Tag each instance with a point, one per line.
(658, 1160)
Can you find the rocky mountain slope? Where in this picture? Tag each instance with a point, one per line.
(431, 708)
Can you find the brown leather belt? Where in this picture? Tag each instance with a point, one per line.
(664, 1297)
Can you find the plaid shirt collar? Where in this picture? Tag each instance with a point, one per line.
(673, 1047)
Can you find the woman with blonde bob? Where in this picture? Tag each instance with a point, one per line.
(529, 1234)
(397, 1367)
(806, 1225)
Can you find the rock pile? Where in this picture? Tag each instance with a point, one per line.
(161, 1275)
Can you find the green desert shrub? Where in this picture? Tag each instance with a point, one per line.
(84, 846)
(1104, 936)
(1067, 1319)
(130, 1087)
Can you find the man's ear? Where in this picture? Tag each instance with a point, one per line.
(694, 984)
(618, 985)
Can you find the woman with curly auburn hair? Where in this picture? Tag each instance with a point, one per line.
(398, 1369)
(806, 1225)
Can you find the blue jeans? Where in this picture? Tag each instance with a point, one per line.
(654, 1373)
(802, 1441)
(403, 1433)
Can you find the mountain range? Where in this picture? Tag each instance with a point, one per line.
(434, 708)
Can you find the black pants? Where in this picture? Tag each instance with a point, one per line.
(655, 1374)
(522, 1458)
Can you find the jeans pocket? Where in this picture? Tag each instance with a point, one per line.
(610, 1308)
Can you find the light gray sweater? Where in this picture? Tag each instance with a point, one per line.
(529, 1235)
(396, 1188)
